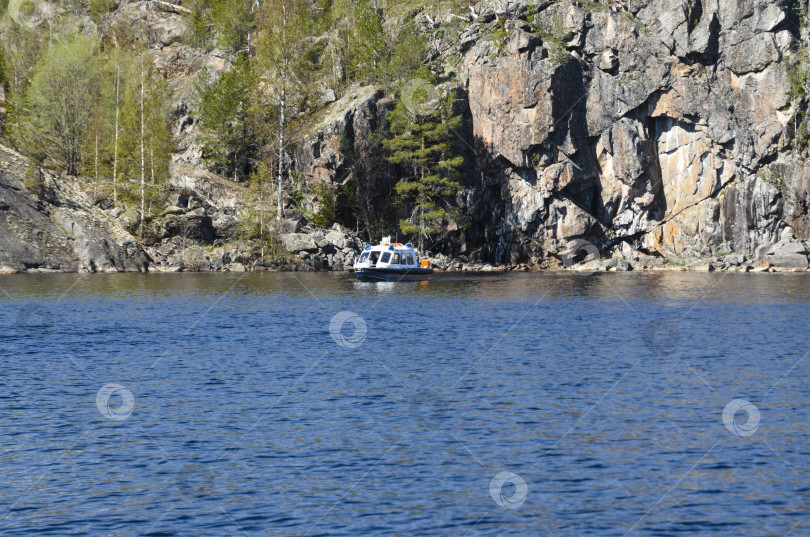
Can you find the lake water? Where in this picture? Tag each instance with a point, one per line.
(660, 404)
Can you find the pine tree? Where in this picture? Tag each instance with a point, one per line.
(234, 21)
(406, 57)
(231, 22)
(424, 145)
(255, 217)
(233, 119)
(368, 47)
(199, 29)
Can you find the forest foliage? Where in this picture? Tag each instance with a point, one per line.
(84, 97)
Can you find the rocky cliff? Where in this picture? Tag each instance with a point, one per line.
(663, 131)
(666, 129)
(47, 224)
(655, 132)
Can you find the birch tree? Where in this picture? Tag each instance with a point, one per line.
(60, 101)
(286, 28)
(143, 154)
(145, 143)
(117, 114)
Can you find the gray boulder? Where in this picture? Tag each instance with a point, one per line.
(789, 254)
(299, 242)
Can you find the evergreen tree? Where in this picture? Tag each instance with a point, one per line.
(406, 57)
(231, 23)
(234, 21)
(424, 144)
(200, 25)
(368, 46)
(233, 119)
(257, 213)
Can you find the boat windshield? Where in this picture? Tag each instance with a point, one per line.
(374, 257)
(363, 257)
(385, 257)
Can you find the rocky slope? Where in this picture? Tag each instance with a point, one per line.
(57, 229)
(54, 227)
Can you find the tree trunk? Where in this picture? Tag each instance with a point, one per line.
(143, 164)
(261, 211)
(152, 167)
(95, 183)
(421, 203)
(115, 151)
(282, 128)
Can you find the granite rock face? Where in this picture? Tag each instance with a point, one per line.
(668, 130)
(324, 147)
(331, 249)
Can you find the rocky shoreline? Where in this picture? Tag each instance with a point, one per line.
(60, 229)
(320, 253)
(608, 266)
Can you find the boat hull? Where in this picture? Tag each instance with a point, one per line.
(393, 274)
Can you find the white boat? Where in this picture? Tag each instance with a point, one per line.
(391, 261)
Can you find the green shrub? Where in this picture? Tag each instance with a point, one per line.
(35, 180)
(327, 214)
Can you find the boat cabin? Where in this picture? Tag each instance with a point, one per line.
(397, 254)
(391, 260)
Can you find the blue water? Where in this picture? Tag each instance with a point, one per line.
(234, 410)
